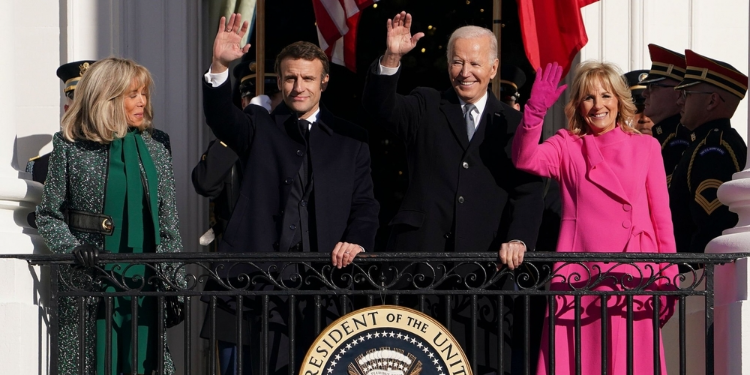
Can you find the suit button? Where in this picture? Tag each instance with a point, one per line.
(461, 199)
(300, 153)
(303, 203)
(465, 165)
(288, 181)
(626, 207)
(448, 235)
(626, 224)
(292, 227)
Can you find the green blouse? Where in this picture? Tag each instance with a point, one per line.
(131, 170)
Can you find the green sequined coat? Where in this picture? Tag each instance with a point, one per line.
(76, 180)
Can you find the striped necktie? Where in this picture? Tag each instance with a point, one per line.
(470, 126)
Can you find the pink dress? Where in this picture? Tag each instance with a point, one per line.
(614, 196)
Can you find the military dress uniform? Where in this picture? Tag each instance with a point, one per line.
(672, 137)
(674, 144)
(38, 166)
(715, 153)
(217, 176)
(70, 74)
(512, 79)
(633, 79)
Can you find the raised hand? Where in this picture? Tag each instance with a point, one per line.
(545, 92)
(227, 46)
(399, 40)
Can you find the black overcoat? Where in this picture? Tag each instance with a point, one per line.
(346, 209)
(272, 151)
(457, 189)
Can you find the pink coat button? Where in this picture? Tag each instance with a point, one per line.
(626, 207)
(626, 224)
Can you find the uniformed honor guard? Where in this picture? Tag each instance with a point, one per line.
(245, 75)
(641, 122)
(660, 104)
(710, 93)
(512, 79)
(70, 74)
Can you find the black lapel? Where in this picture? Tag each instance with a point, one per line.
(286, 120)
(324, 150)
(451, 107)
(326, 121)
(491, 117)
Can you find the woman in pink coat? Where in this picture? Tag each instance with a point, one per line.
(614, 197)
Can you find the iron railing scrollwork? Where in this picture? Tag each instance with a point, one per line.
(380, 278)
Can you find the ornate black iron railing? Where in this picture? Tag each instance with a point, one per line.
(430, 282)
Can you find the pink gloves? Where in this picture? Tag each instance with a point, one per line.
(544, 94)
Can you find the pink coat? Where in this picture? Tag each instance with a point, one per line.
(614, 197)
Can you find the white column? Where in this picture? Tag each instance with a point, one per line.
(732, 311)
(22, 348)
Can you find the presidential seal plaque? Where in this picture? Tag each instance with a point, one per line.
(385, 340)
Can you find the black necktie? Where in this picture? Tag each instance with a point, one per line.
(304, 127)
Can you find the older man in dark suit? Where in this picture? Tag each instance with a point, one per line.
(306, 182)
(460, 173)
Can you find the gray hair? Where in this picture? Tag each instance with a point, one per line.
(471, 32)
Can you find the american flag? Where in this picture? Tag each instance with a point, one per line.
(337, 29)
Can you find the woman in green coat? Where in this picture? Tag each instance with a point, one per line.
(111, 188)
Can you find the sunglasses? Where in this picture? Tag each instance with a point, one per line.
(685, 94)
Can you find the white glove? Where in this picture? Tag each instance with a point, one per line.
(207, 237)
(262, 101)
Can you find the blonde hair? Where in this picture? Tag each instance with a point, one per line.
(588, 74)
(98, 110)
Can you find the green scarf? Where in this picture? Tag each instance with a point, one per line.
(125, 189)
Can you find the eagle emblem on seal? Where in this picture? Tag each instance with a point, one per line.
(385, 361)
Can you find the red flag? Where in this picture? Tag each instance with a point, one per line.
(552, 30)
(337, 29)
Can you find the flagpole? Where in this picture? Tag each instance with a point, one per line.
(497, 25)
(260, 45)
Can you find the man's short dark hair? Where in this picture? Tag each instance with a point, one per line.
(302, 50)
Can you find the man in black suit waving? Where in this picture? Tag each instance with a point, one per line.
(306, 182)
(460, 173)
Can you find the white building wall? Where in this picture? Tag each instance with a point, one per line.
(29, 48)
(36, 89)
(620, 31)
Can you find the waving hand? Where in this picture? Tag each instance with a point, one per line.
(399, 39)
(227, 43)
(544, 93)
